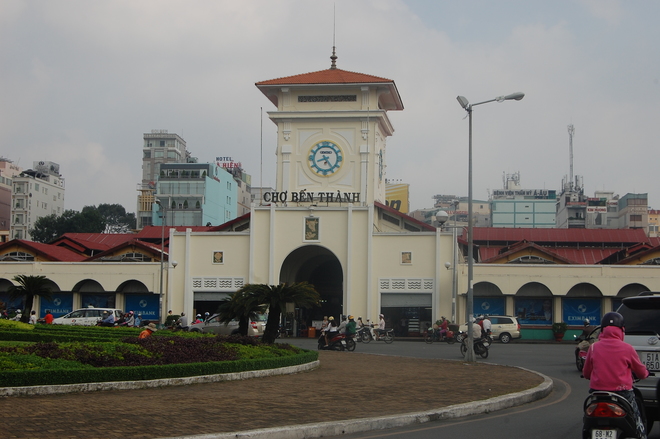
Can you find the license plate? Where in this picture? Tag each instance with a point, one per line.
(651, 360)
(603, 434)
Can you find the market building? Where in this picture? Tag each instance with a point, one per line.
(327, 221)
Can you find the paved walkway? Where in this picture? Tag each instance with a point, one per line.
(393, 384)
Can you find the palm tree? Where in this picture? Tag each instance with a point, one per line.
(242, 306)
(28, 288)
(302, 294)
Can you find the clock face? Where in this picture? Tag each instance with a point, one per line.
(325, 158)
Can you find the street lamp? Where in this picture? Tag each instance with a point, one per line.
(454, 277)
(469, 357)
(162, 256)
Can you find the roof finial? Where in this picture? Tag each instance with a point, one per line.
(333, 58)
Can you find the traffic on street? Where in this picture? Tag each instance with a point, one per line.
(557, 416)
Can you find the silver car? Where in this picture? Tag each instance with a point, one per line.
(213, 325)
(503, 328)
(642, 321)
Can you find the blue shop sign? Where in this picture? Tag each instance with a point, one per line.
(493, 306)
(60, 304)
(145, 304)
(576, 310)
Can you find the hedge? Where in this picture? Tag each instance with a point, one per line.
(140, 373)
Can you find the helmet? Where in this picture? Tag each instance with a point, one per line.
(350, 317)
(612, 319)
(586, 322)
(331, 318)
(199, 315)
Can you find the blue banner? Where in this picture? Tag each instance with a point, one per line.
(534, 311)
(494, 306)
(61, 303)
(145, 304)
(576, 310)
(11, 305)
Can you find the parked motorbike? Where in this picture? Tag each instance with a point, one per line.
(610, 415)
(437, 336)
(481, 347)
(336, 342)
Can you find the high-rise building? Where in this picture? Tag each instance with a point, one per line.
(194, 194)
(159, 147)
(37, 192)
(7, 171)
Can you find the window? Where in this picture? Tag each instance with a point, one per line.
(147, 154)
(635, 217)
(36, 186)
(17, 256)
(162, 143)
(159, 154)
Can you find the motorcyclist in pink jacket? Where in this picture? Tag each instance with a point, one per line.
(611, 363)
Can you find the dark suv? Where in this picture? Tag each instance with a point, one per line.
(642, 319)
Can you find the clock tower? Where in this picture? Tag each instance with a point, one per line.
(332, 126)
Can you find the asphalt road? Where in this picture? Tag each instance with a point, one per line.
(557, 416)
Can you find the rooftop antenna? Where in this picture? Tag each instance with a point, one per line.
(571, 131)
(333, 58)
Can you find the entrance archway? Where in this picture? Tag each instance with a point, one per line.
(321, 268)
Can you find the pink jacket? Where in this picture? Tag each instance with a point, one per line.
(610, 362)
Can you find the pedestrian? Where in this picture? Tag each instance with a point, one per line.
(138, 321)
(49, 317)
(108, 319)
(148, 330)
(33, 318)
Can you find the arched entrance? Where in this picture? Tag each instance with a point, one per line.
(321, 268)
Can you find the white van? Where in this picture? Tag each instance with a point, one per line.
(85, 316)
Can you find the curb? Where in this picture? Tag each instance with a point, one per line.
(336, 428)
(148, 384)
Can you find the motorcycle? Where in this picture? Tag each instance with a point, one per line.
(583, 347)
(481, 347)
(336, 342)
(437, 336)
(366, 335)
(610, 415)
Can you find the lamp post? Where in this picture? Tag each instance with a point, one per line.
(162, 256)
(469, 356)
(454, 277)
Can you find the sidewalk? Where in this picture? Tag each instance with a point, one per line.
(395, 385)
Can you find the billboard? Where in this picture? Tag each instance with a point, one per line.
(396, 196)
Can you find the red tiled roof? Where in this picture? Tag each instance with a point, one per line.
(154, 249)
(93, 241)
(155, 232)
(329, 76)
(511, 235)
(46, 251)
(410, 219)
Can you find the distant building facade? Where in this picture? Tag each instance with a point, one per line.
(513, 206)
(194, 194)
(37, 192)
(159, 147)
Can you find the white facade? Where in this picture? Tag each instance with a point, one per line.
(37, 193)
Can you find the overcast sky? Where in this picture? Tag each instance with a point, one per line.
(81, 81)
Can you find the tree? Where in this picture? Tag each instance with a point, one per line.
(107, 218)
(242, 306)
(28, 288)
(302, 294)
(116, 218)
